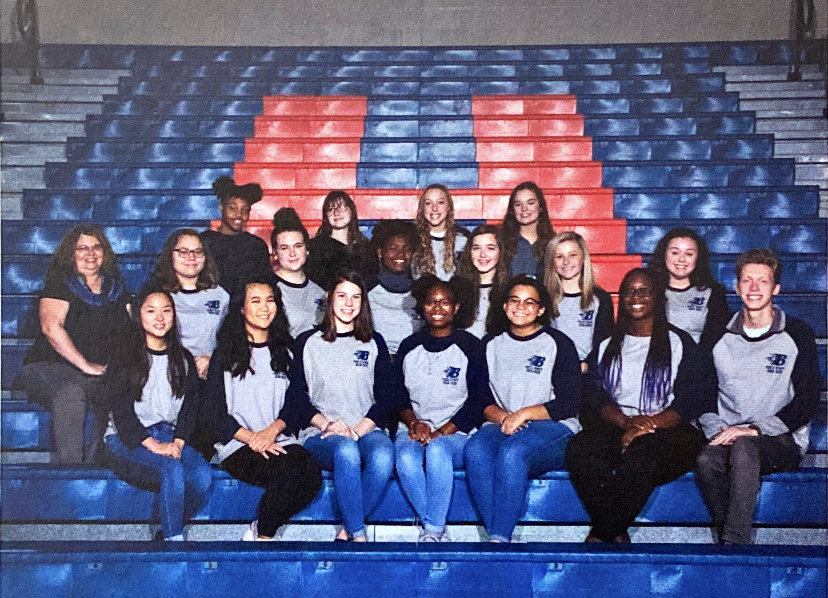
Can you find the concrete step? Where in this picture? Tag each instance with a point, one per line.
(47, 94)
(17, 178)
(776, 70)
(40, 131)
(32, 154)
(811, 172)
(51, 108)
(786, 104)
(776, 86)
(61, 75)
(810, 113)
(810, 125)
(11, 205)
(92, 91)
(801, 147)
(44, 116)
(61, 80)
(769, 95)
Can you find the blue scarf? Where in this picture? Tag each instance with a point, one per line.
(395, 283)
(111, 289)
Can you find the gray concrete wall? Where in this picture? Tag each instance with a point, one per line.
(405, 22)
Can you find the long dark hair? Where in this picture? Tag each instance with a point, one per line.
(165, 274)
(424, 260)
(656, 380)
(511, 227)
(338, 196)
(363, 324)
(497, 322)
(461, 291)
(132, 361)
(233, 345)
(63, 260)
(467, 270)
(700, 276)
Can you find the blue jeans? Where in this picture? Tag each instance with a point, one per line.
(184, 483)
(361, 471)
(498, 468)
(427, 475)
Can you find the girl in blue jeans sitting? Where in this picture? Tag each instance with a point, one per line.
(444, 391)
(344, 368)
(535, 377)
(153, 383)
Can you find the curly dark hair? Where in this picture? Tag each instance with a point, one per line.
(63, 259)
(225, 188)
(287, 220)
(511, 227)
(498, 323)
(700, 276)
(164, 273)
(462, 293)
(388, 229)
(233, 344)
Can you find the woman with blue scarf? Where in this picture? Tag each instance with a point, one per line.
(82, 307)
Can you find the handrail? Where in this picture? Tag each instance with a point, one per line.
(28, 25)
(803, 24)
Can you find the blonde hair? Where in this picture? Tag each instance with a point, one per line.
(586, 280)
(423, 259)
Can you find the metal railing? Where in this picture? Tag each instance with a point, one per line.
(28, 26)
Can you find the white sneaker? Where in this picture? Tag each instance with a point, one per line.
(251, 534)
(427, 536)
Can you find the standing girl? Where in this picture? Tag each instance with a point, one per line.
(187, 271)
(580, 308)
(442, 396)
(248, 413)
(481, 262)
(535, 378)
(346, 371)
(154, 388)
(696, 303)
(526, 230)
(644, 386)
(441, 240)
(338, 244)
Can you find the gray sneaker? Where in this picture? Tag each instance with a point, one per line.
(427, 536)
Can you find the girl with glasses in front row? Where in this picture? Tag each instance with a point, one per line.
(535, 378)
(643, 387)
(187, 271)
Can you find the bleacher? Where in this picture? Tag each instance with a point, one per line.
(627, 141)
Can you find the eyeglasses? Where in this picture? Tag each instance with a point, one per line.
(528, 302)
(185, 253)
(342, 208)
(642, 292)
(89, 248)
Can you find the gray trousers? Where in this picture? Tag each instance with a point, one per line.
(68, 394)
(730, 478)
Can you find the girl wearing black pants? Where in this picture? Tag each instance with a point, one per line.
(247, 414)
(643, 386)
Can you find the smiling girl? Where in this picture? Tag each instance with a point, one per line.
(441, 241)
(154, 385)
(443, 392)
(345, 371)
(526, 230)
(482, 263)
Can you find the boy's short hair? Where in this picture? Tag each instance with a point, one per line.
(765, 257)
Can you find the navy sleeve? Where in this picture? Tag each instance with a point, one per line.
(695, 388)
(604, 319)
(385, 385)
(298, 410)
(718, 315)
(566, 378)
(470, 414)
(805, 377)
(131, 431)
(593, 395)
(221, 426)
(189, 413)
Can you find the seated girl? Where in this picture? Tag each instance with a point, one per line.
(304, 300)
(248, 414)
(643, 387)
(153, 383)
(481, 262)
(441, 241)
(580, 308)
(443, 392)
(345, 370)
(392, 306)
(535, 376)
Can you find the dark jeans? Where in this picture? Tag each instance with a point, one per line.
(68, 394)
(290, 482)
(613, 485)
(730, 478)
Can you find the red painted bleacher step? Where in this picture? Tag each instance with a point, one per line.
(557, 175)
(563, 125)
(297, 176)
(345, 150)
(523, 105)
(308, 126)
(521, 149)
(314, 106)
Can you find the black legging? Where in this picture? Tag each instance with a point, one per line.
(290, 481)
(615, 486)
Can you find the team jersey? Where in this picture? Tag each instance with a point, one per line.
(585, 327)
(702, 312)
(394, 316)
(304, 304)
(200, 315)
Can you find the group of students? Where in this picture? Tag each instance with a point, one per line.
(425, 350)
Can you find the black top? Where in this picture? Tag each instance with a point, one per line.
(91, 328)
(327, 256)
(238, 258)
